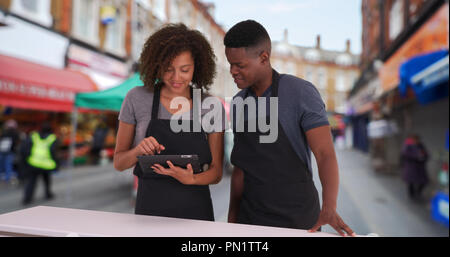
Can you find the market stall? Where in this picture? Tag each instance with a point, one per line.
(28, 85)
(31, 93)
(107, 101)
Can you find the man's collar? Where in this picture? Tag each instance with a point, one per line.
(267, 92)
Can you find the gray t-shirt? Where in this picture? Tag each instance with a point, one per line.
(300, 108)
(137, 110)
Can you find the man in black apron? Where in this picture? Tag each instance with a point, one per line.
(271, 184)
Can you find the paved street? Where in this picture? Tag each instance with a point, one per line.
(98, 188)
(368, 202)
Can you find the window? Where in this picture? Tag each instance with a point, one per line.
(159, 9)
(85, 20)
(344, 60)
(396, 19)
(35, 10)
(322, 78)
(115, 33)
(312, 55)
(141, 28)
(341, 86)
(291, 68)
(203, 26)
(309, 74)
(30, 5)
(278, 66)
(340, 102)
(175, 11)
(186, 13)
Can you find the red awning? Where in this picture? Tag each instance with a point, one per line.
(29, 85)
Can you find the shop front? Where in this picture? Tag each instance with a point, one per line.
(427, 76)
(32, 93)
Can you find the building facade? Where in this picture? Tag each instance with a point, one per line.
(332, 72)
(104, 38)
(395, 34)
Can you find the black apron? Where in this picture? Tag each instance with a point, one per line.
(278, 187)
(161, 195)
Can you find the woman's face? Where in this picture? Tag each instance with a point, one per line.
(179, 74)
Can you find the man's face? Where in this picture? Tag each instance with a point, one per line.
(243, 67)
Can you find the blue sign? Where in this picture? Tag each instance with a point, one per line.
(439, 208)
(427, 75)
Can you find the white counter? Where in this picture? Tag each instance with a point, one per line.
(52, 221)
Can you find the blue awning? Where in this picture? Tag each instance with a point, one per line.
(427, 75)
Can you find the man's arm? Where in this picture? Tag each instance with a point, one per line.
(237, 187)
(321, 144)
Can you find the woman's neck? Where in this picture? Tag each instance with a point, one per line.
(166, 93)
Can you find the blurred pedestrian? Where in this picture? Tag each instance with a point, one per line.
(413, 161)
(272, 183)
(40, 152)
(175, 61)
(98, 142)
(9, 140)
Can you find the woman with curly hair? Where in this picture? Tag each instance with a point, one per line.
(174, 61)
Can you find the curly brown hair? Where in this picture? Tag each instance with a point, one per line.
(166, 44)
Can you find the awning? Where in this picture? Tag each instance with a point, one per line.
(109, 99)
(427, 75)
(29, 85)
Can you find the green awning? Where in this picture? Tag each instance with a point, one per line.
(109, 99)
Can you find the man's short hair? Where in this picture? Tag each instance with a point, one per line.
(248, 34)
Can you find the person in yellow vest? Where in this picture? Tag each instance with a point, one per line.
(39, 153)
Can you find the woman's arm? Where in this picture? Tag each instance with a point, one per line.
(124, 155)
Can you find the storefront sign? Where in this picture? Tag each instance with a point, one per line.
(435, 74)
(83, 57)
(105, 71)
(17, 89)
(29, 42)
(362, 102)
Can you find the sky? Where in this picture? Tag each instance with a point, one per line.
(335, 20)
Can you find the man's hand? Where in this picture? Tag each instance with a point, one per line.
(331, 218)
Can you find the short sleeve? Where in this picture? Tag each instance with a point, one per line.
(312, 111)
(127, 113)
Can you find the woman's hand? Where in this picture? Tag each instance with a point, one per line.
(185, 176)
(149, 146)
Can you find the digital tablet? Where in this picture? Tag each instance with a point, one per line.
(147, 161)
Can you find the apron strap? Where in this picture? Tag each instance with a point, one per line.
(275, 83)
(156, 99)
(156, 96)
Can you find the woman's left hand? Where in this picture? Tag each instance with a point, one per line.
(185, 176)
